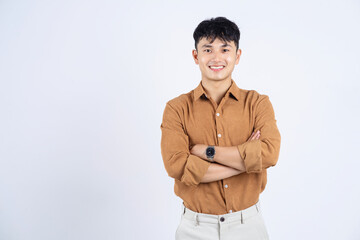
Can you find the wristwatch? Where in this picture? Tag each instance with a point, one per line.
(210, 153)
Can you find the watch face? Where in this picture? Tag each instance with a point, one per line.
(210, 151)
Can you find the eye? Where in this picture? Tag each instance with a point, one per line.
(226, 50)
(206, 50)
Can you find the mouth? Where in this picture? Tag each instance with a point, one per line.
(217, 68)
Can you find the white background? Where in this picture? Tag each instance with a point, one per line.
(84, 85)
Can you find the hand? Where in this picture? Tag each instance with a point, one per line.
(254, 135)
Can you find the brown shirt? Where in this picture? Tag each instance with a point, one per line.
(193, 118)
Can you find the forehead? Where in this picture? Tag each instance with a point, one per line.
(204, 42)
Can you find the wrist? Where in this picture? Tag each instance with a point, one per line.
(210, 152)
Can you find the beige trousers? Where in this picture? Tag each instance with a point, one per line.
(247, 224)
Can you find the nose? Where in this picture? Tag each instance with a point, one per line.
(217, 56)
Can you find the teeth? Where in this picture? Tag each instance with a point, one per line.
(217, 67)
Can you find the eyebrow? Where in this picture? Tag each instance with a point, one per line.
(210, 46)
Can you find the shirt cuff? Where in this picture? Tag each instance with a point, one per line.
(195, 170)
(250, 152)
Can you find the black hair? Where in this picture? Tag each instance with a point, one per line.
(219, 27)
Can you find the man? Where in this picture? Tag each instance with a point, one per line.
(217, 142)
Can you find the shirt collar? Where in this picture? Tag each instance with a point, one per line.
(233, 90)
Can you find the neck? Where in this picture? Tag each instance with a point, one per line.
(216, 89)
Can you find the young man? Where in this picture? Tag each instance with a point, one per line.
(217, 142)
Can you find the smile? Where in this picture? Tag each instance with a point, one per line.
(216, 69)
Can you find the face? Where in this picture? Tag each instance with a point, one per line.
(216, 60)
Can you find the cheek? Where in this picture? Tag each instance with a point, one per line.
(230, 60)
(202, 63)
(203, 66)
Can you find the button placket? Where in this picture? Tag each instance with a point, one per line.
(218, 123)
(226, 186)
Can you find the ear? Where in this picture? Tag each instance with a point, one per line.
(195, 56)
(238, 54)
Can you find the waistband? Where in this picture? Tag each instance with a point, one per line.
(240, 216)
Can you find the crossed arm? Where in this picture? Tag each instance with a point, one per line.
(227, 160)
(188, 165)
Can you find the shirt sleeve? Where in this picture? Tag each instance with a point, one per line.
(178, 161)
(262, 153)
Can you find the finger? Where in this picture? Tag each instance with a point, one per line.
(256, 136)
(250, 136)
(259, 134)
(253, 136)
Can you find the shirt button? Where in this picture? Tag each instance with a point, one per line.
(222, 219)
(226, 186)
(217, 114)
(230, 211)
(219, 135)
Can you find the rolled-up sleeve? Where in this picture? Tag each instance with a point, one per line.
(178, 161)
(264, 152)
